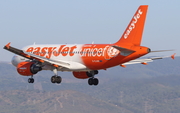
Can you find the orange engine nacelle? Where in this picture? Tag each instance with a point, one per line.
(28, 68)
(80, 75)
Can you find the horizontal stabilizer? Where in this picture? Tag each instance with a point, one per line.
(145, 61)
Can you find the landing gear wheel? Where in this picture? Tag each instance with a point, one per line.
(56, 79)
(96, 81)
(90, 81)
(93, 81)
(30, 80)
(53, 79)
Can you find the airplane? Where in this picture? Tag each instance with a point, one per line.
(84, 60)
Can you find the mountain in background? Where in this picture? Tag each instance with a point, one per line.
(152, 88)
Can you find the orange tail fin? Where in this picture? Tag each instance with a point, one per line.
(134, 31)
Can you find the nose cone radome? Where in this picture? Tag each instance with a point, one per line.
(17, 59)
(14, 60)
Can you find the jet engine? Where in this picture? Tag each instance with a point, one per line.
(28, 68)
(80, 75)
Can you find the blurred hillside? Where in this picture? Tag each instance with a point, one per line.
(154, 88)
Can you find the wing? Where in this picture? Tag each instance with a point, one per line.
(145, 61)
(31, 56)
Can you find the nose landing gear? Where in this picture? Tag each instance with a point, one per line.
(31, 80)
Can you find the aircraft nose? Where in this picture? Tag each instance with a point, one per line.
(15, 60)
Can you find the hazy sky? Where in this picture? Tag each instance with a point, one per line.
(23, 22)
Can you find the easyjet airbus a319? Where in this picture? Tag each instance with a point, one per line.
(84, 60)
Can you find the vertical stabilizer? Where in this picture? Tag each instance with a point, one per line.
(134, 31)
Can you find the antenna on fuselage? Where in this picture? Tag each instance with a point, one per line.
(34, 43)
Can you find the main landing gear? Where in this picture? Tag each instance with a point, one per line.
(92, 80)
(56, 79)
